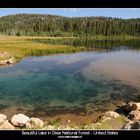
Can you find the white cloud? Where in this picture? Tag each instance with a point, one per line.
(70, 9)
(64, 9)
(135, 9)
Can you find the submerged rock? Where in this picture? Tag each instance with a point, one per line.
(34, 123)
(2, 118)
(19, 120)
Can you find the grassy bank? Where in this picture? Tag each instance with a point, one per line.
(21, 46)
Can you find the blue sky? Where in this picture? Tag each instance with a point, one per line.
(76, 12)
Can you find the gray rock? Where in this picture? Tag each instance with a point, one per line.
(34, 123)
(19, 120)
(2, 118)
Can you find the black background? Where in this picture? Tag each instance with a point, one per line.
(13, 135)
(17, 135)
(69, 3)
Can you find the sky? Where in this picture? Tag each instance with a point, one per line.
(125, 13)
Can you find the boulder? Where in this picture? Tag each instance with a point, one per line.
(34, 123)
(8, 61)
(19, 120)
(134, 115)
(6, 126)
(112, 114)
(129, 106)
(134, 125)
(2, 118)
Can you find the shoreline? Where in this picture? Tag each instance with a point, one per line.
(86, 115)
(15, 48)
(126, 119)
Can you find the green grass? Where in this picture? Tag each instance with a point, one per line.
(115, 37)
(114, 123)
(20, 47)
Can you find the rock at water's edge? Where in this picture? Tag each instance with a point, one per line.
(2, 118)
(134, 125)
(130, 106)
(134, 115)
(34, 123)
(19, 120)
(6, 126)
(8, 61)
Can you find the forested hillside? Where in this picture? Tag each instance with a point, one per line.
(51, 25)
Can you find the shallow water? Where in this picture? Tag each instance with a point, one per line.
(80, 83)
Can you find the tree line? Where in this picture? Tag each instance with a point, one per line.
(52, 25)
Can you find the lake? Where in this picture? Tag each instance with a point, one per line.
(77, 85)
